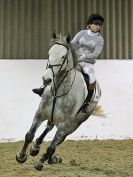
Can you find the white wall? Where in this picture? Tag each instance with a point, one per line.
(18, 104)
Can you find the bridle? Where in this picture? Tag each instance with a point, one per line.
(65, 72)
(49, 65)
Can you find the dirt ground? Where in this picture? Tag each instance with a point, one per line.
(80, 159)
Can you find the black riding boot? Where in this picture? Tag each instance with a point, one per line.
(39, 91)
(88, 98)
(91, 88)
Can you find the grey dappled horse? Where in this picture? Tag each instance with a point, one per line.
(61, 102)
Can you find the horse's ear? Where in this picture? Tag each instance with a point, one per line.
(54, 35)
(68, 38)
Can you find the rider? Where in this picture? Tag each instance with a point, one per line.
(87, 46)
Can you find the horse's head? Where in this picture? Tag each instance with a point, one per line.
(60, 59)
(60, 56)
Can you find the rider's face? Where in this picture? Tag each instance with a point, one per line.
(94, 27)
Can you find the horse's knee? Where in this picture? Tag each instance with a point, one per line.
(29, 136)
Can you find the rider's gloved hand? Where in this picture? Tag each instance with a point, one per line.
(81, 58)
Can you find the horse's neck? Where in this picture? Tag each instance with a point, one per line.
(64, 80)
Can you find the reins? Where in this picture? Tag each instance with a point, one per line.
(57, 96)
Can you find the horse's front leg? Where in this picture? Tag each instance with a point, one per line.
(60, 136)
(21, 157)
(36, 147)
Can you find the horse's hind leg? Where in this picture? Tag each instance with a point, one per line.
(21, 157)
(58, 139)
(36, 147)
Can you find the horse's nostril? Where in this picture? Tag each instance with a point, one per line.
(48, 81)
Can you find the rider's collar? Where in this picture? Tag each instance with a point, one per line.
(90, 33)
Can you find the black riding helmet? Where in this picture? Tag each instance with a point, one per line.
(96, 19)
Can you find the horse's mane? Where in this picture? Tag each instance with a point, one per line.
(59, 39)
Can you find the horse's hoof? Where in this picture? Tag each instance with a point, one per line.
(21, 158)
(55, 160)
(34, 151)
(38, 166)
